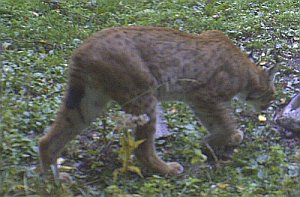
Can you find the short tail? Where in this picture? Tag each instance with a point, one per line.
(76, 87)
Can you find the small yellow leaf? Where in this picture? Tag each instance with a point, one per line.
(223, 185)
(173, 110)
(123, 142)
(136, 170)
(282, 100)
(43, 41)
(262, 63)
(134, 144)
(35, 14)
(131, 141)
(60, 161)
(194, 160)
(19, 187)
(297, 155)
(66, 168)
(116, 174)
(137, 143)
(262, 118)
(240, 188)
(295, 45)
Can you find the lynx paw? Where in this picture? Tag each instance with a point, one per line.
(174, 168)
(236, 138)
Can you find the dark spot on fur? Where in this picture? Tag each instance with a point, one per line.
(120, 44)
(183, 69)
(195, 61)
(68, 119)
(138, 36)
(199, 45)
(74, 97)
(117, 36)
(179, 45)
(196, 70)
(127, 41)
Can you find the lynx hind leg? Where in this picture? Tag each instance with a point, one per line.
(79, 109)
(146, 152)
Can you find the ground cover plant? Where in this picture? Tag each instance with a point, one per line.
(37, 39)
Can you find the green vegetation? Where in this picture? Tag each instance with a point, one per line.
(38, 38)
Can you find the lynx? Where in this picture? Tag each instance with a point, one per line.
(139, 66)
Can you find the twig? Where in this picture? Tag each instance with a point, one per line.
(157, 87)
(212, 152)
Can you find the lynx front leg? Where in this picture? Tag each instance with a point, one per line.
(220, 123)
(146, 151)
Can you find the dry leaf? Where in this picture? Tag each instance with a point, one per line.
(262, 63)
(282, 100)
(262, 118)
(223, 185)
(67, 168)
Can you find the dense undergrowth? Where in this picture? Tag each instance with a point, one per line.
(37, 40)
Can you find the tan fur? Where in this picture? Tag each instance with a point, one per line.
(138, 66)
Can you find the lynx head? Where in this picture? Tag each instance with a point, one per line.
(261, 96)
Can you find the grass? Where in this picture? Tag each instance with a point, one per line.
(38, 38)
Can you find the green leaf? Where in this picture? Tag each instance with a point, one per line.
(135, 169)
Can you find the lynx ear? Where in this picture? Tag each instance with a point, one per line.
(272, 71)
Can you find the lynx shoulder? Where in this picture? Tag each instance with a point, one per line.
(139, 66)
